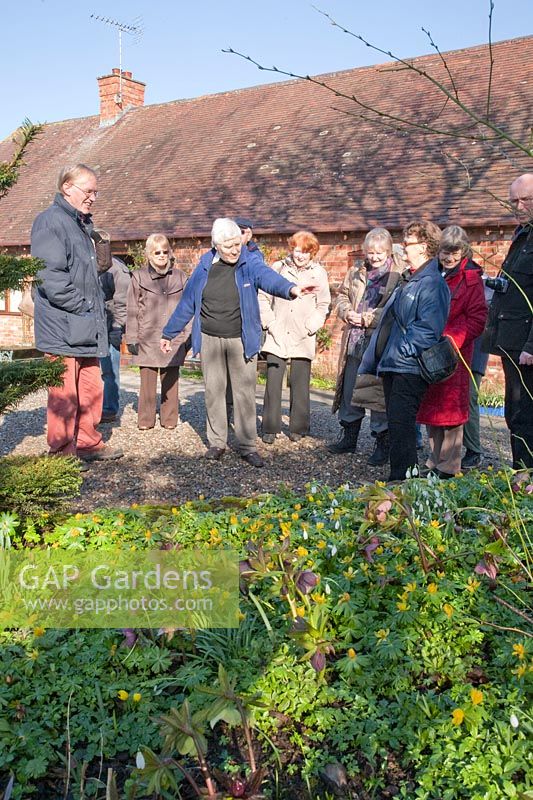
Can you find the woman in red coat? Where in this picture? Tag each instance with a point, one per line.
(445, 406)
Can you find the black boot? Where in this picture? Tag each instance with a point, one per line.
(380, 456)
(348, 441)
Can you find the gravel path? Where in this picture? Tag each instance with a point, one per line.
(168, 466)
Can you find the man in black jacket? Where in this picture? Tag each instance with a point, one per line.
(509, 332)
(115, 283)
(70, 316)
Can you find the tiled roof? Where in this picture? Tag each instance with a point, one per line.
(286, 156)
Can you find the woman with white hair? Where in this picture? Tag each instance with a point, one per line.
(360, 300)
(154, 290)
(221, 300)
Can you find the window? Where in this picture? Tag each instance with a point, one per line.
(9, 302)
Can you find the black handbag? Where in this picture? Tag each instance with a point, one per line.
(439, 362)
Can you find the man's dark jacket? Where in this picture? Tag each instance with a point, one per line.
(510, 323)
(70, 317)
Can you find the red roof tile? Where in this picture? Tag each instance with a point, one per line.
(285, 154)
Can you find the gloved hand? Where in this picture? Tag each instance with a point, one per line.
(133, 349)
(115, 337)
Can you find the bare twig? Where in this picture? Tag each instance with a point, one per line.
(513, 609)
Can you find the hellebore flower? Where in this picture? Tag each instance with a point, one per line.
(306, 581)
(369, 549)
(130, 637)
(487, 566)
(318, 661)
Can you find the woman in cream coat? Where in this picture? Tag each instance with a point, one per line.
(291, 328)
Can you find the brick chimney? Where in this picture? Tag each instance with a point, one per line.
(118, 93)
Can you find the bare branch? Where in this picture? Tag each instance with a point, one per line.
(444, 62)
(409, 65)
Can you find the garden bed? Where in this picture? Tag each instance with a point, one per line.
(384, 650)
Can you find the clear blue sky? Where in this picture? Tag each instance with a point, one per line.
(52, 51)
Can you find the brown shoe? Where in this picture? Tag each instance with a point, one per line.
(254, 459)
(108, 418)
(104, 453)
(215, 453)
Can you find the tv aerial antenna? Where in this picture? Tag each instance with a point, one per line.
(135, 29)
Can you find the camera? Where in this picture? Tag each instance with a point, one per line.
(498, 284)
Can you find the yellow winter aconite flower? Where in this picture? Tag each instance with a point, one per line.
(173, 509)
(351, 653)
(297, 506)
(233, 520)
(148, 534)
(458, 716)
(310, 498)
(241, 617)
(381, 484)
(78, 515)
(300, 611)
(319, 526)
(435, 523)
(441, 548)
(137, 697)
(519, 650)
(382, 634)
(520, 671)
(476, 697)
(433, 588)
(448, 609)
(38, 631)
(401, 568)
(136, 505)
(410, 587)
(402, 605)
(318, 598)
(441, 574)
(345, 597)
(301, 551)
(295, 515)
(472, 585)
(122, 694)
(379, 550)
(381, 569)
(321, 544)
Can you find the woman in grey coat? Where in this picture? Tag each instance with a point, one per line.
(154, 292)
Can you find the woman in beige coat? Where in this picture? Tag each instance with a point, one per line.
(154, 292)
(362, 295)
(291, 327)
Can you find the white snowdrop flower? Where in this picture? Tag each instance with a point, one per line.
(514, 721)
(333, 550)
(327, 588)
(334, 502)
(305, 535)
(337, 524)
(313, 490)
(140, 763)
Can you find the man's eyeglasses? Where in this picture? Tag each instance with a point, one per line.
(87, 192)
(160, 252)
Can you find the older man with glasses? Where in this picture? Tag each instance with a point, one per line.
(509, 332)
(70, 319)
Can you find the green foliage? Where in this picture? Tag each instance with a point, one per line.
(9, 170)
(324, 340)
(37, 486)
(138, 255)
(20, 378)
(385, 629)
(14, 271)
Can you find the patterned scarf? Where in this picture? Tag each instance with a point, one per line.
(376, 279)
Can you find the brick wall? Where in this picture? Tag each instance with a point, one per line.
(337, 254)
